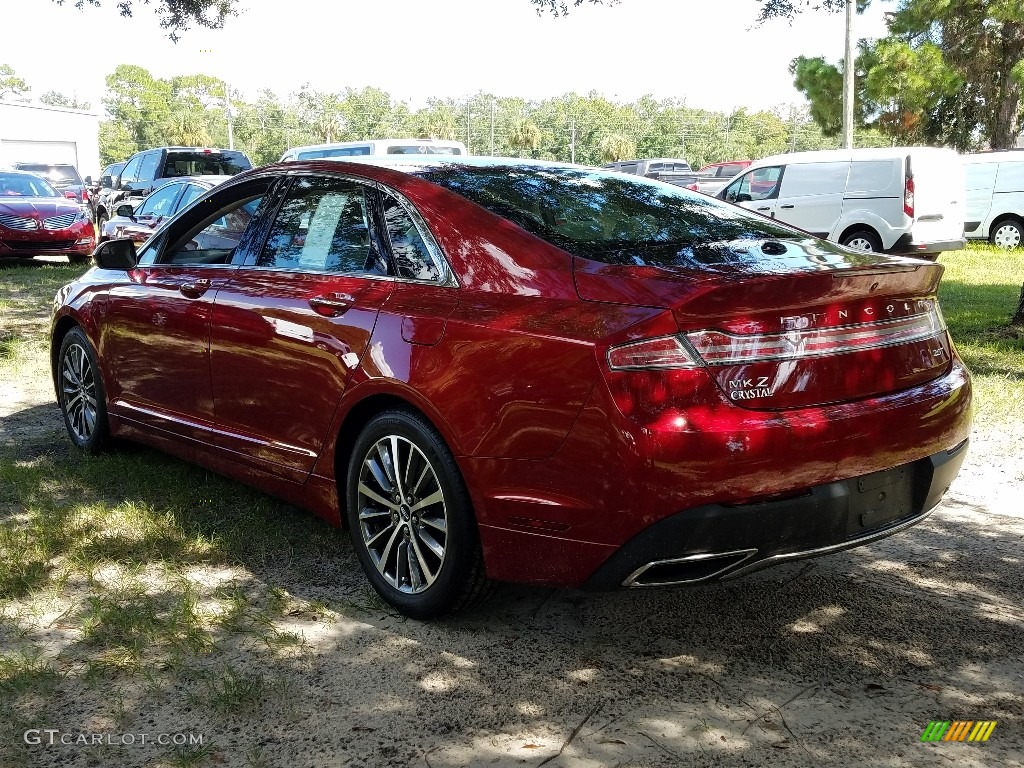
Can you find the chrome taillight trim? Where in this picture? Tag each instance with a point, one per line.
(720, 348)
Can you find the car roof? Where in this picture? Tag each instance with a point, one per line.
(21, 173)
(210, 180)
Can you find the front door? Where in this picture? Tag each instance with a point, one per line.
(156, 340)
(294, 321)
(757, 190)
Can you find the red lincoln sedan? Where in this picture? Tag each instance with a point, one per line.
(36, 220)
(497, 369)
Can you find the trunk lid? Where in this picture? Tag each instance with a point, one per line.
(787, 323)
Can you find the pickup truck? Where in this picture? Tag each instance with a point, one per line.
(667, 169)
(711, 179)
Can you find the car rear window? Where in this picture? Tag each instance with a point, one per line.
(55, 174)
(606, 216)
(315, 154)
(225, 163)
(422, 149)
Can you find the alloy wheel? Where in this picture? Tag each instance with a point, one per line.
(78, 384)
(403, 518)
(860, 244)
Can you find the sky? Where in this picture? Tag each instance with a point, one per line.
(705, 52)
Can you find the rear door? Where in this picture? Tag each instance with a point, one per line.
(294, 322)
(980, 183)
(939, 195)
(811, 196)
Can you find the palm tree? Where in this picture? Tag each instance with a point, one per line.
(329, 125)
(615, 147)
(186, 128)
(525, 136)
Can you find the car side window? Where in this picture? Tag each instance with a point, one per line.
(213, 229)
(414, 259)
(323, 225)
(130, 171)
(160, 203)
(759, 184)
(192, 191)
(147, 171)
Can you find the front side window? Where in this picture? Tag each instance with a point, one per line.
(212, 231)
(323, 225)
(147, 171)
(131, 171)
(160, 203)
(759, 184)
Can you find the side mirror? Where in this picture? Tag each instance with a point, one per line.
(126, 210)
(88, 181)
(116, 254)
(743, 197)
(115, 182)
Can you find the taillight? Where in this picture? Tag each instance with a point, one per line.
(908, 197)
(663, 352)
(70, 195)
(719, 348)
(85, 195)
(693, 187)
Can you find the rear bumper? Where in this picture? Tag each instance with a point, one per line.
(715, 541)
(906, 245)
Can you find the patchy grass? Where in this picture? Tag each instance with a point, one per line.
(978, 293)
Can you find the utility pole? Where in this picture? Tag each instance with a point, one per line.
(469, 112)
(227, 108)
(494, 106)
(849, 67)
(572, 141)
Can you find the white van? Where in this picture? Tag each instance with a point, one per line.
(900, 200)
(995, 198)
(376, 147)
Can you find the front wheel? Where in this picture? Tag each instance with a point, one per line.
(411, 520)
(81, 394)
(862, 240)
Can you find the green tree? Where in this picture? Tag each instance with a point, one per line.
(525, 137)
(950, 71)
(175, 16)
(55, 99)
(139, 102)
(11, 84)
(116, 142)
(615, 147)
(186, 127)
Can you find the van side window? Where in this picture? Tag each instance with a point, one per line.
(805, 179)
(874, 176)
(759, 184)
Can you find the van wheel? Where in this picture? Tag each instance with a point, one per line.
(862, 240)
(1007, 233)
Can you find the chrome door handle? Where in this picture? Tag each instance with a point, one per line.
(195, 288)
(332, 305)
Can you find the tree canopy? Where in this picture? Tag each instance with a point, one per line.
(949, 72)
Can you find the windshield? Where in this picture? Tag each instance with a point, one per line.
(607, 216)
(25, 185)
(60, 175)
(226, 163)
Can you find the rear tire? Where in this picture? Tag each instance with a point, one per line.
(863, 240)
(78, 259)
(411, 519)
(81, 394)
(1007, 233)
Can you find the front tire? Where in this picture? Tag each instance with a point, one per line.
(81, 394)
(1007, 233)
(863, 240)
(411, 519)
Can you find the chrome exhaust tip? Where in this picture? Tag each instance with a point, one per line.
(691, 569)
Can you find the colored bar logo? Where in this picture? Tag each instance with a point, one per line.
(958, 730)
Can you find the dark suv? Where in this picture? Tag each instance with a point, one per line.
(62, 176)
(149, 169)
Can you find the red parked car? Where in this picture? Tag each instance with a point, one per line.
(524, 371)
(36, 220)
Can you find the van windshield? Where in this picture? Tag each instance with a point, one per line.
(607, 216)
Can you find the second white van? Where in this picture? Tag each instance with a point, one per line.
(906, 200)
(995, 198)
(376, 147)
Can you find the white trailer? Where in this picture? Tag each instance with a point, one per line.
(37, 133)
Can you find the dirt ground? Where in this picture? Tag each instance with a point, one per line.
(842, 660)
